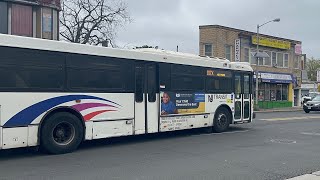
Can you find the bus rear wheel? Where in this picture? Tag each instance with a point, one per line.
(61, 133)
(222, 120)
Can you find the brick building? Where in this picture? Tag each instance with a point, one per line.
(32, 18)
(279, 71)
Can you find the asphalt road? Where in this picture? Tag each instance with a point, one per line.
(276, 146)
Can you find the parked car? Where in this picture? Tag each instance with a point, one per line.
(312, 105)
(308, 97)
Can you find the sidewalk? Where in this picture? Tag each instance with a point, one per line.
(289, 109)
(313, 176)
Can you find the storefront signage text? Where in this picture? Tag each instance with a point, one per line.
(271, 42)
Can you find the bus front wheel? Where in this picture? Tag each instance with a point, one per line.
(61, 133)
(222, 120)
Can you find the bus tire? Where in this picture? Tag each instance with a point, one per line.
(61, 133)
(222, 119)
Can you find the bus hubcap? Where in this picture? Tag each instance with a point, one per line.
(222, 120)
(63, 133)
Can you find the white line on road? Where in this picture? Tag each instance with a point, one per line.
(310, 133)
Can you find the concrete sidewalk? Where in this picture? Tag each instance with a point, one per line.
(313, 176)
(289, 109)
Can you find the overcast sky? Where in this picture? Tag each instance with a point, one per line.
(168, 23)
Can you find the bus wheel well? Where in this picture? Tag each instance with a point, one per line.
(226, 107)
(62, 109)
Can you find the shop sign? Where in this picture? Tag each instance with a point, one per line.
(269, 42)
(275, 77)
(237, 50)
(297, 49)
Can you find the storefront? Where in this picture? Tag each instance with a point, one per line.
(274, 90)
(279, 62)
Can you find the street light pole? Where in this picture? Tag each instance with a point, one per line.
(257, 59)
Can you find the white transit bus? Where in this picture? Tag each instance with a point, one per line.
(56, 94)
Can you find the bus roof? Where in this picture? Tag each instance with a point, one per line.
(137, 54)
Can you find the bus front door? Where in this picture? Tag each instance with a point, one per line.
(146, 98)
(242, 107)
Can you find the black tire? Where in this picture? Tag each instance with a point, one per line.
(208, 130)
(61, 133)
(306, 111)
(222, 119)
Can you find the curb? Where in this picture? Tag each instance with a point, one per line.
(278, 110)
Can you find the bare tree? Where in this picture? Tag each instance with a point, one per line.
(92, 21)
(313, 65)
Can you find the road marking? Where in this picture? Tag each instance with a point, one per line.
(310, 133)
(291, 118)
(283, 141)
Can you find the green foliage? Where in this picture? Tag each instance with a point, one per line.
(313, 65)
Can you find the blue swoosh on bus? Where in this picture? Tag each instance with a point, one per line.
(26, 116)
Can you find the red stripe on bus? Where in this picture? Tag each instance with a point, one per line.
(93, 114)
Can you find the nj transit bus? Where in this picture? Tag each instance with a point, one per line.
(57, 94)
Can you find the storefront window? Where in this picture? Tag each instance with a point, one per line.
(272, 92)
(284, 92)
(267, 92)
(261, 92)
(273, 88)
(279, 92)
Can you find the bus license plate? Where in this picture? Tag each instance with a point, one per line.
(309, 107)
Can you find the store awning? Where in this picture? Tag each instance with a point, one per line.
(275, 77)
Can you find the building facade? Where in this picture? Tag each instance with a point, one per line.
(279, 71)
(32, 18)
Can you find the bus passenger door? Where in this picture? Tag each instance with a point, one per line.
(140, 100)
(242, 109)
(238, 97)
(146, 98)
(246, 97)
(152, 98)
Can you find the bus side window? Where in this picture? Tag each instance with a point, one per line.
(139, 83)
(152, 82)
